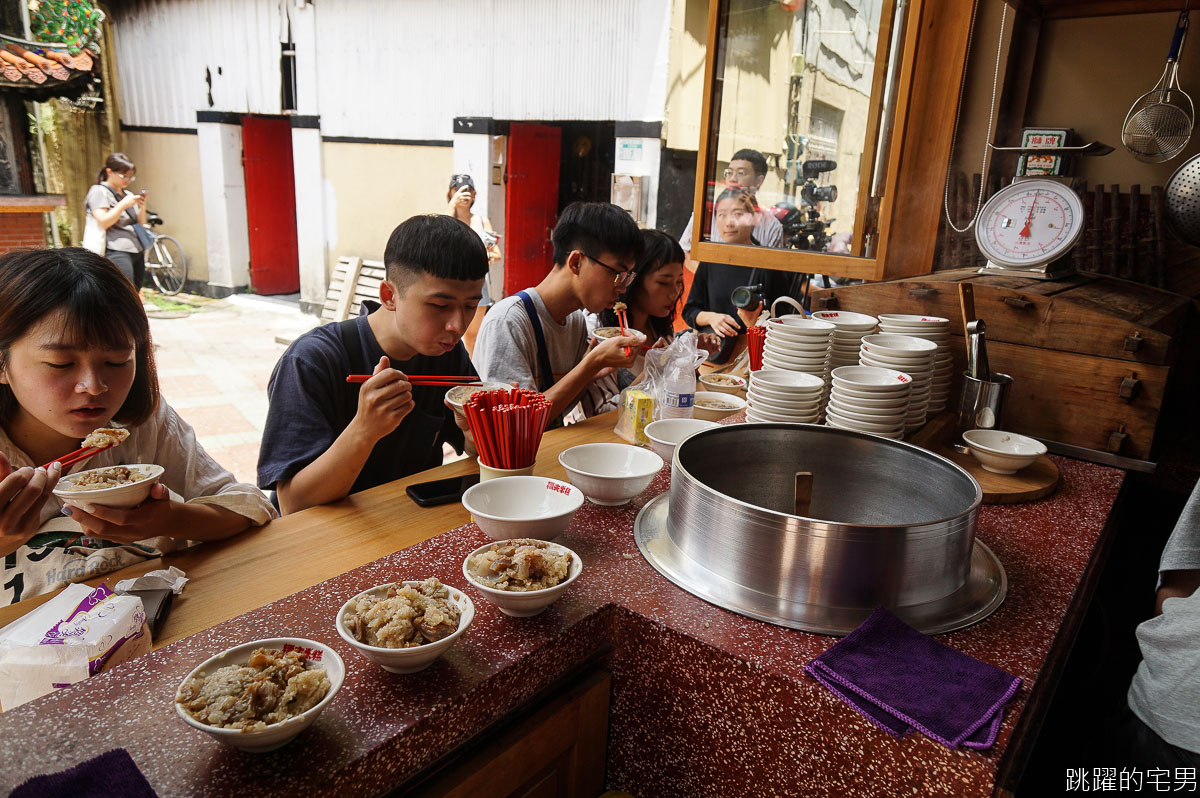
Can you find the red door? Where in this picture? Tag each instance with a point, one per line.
(270, 204)
(530, 203)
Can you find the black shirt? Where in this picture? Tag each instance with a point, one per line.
(311, 404)
(714, 283)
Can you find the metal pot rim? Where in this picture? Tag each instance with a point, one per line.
(834, 527)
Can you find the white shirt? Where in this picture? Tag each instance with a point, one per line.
(189, 473)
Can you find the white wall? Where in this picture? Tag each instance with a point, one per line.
(397, 70)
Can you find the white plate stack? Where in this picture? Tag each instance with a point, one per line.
(931, 328)
(869, 399)
(795, 343)
(848, 331)
(776, 395)
(911, 355)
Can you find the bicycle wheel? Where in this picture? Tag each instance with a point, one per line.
(167, 264)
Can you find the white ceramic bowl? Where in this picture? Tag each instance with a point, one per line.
(277, 734)
(759, 414)
(780, 405)
(797, 325)
(128, 495)
(871, 379)
(892, 417)
(1003, 452)
(905, 346)
(846, 320)
(868, 400)
(806, 349)
(787, 394)
(612, 473)
(913, 320)
(522, 507)
(408, 660)
(530, 602)
(665, 434)
(713, 414)
(809, 366)
(712, 386)
(862, 426)
(459, 393)
(785, 380)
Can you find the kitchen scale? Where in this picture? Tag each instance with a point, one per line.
(1027, 229)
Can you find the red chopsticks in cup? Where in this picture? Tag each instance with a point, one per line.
(417, 379)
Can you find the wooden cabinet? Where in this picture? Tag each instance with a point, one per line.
(1091, 357)
(558, 751)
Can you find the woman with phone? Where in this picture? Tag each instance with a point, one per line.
(461, 199)
(112, 207)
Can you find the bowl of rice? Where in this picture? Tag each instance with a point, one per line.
(110, 486)
(260, 695)
(522, 576)
(404, 626)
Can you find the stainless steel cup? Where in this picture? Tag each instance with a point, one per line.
(982, 403)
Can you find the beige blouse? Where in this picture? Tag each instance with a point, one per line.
(44, 564)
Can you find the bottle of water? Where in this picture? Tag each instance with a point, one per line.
(678, 388)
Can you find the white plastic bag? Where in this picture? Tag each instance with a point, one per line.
(671, 376)
(95, 237)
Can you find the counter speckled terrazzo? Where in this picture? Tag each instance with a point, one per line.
(704, 702)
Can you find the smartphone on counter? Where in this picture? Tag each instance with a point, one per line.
(441, 491)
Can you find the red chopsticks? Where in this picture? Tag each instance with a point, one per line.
(624, 322)
(422, 379)
(71, 458)
(755, 338)
(507, 425)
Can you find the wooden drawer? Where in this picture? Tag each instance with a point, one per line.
(1086, 314)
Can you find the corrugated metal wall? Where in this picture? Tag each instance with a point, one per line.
(168, 51)
(400, 70)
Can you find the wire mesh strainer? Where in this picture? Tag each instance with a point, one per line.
(1182, 197)
(1159, 123)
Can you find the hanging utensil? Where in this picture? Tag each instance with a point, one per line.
(977, 359)
(1159, 123)
(1182, 200)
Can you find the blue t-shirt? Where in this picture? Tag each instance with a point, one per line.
(311, 404)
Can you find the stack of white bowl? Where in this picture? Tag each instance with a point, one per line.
(776, 395)
(914, 356)
(795, 343)
(848, 332)
(869, 399)
(931, 328)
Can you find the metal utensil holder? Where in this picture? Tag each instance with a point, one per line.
(982, 403)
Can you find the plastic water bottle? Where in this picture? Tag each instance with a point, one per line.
(679, 389)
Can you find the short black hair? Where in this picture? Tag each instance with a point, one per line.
(100, 307)
(434, 244)
(595, 227)
(755, 158)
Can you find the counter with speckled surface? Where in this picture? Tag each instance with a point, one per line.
(704, 702)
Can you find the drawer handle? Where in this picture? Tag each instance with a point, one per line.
(1134, 341)
(922, 293)
(1116, 439)
(1129, 388)
(1020, 303)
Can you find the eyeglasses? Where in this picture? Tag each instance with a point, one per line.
(621, 278)
(130, 178)
(740, 174)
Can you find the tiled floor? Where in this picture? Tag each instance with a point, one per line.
(213, 366)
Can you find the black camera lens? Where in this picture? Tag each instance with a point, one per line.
(746, 296)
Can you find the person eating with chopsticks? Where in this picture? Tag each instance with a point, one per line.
(538, 338)
(327, 436)
(75, 355)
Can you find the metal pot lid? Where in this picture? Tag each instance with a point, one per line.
(979, 597)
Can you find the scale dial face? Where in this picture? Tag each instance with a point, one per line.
(1029, 223)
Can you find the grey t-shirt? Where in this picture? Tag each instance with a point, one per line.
(1165, 692)
(120, 236)
(506, 351)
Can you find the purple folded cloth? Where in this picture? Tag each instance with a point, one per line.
(902, 680)
(110, 775)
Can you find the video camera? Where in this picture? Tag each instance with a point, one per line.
(803, 228)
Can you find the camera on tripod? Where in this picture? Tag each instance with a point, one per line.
(803, 228)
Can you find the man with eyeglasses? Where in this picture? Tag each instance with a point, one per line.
(747, 169)
(538, 337)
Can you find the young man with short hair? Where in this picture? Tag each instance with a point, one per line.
(747, 169)
(538, 337)
(326, 438)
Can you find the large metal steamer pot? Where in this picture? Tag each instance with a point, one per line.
(889, 523)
